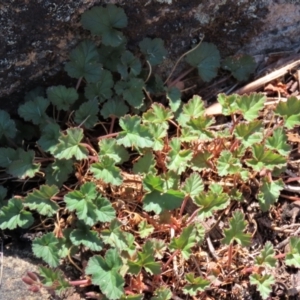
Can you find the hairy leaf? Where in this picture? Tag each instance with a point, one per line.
(154, 50)
(7, 125)
(62, 97)
(87, 113)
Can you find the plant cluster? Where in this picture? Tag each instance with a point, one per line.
(111, 199)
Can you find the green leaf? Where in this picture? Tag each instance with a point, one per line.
(114, 108)
(7, 125)
(263, 284)
(174, 97)
(206, 58)
(159, 132)
(199, 127)
(177, 159)
(84, 236)
(269, 193)
(7, 155)
(241, 66)
(191, 110)
(159, 248)
(84, 62)
(267, 256)
(292, 258)
(235, 232)
(46, 248)
(111, 56)
(265, 158)
(87, 113)
(102, 88)
(250, 105)
(41, 201)
(278, 141)
(69, 145)
(53, 278)
(195, 284)
(157, 201)
(13, 215)
(145, 164)
(201, 161)
(228, 103)
(105, 273)
(22, 166)
(106, 171)
(130, 65)
(110, 148)
(132, 91)
(134, 134)
(162, 293)
(35, 110)
(58, 172)
(89, 206)
(62, 97)
(145, 229)
(289, 111)
(49, 138)
(145, 260)
(193, 185)
(227, 164)
(154, 50)
(116, 237)
(157, 114)
(212, 200)
(249, 133)
(184, 242)
(105, 21)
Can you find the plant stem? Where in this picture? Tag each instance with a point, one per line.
(170, 259)
(112, 123)
(107, 136)
(230, 249)
(78, 83)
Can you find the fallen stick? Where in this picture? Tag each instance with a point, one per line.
(216, 109)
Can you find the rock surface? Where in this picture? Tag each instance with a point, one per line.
(37, 36)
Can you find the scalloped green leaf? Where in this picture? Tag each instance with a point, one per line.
(13, 215)
(269, 193)
(266, 256)
(195, 284)
(106, 171)
(145, 164)
(134, 134)
(193, 185)
(129, 66)
(292, 258)
(105, 273)
(89, 206)
(228, 103)
(263, 284)
(241, 66)
(110, 148)
(69, 145)
(58, 172)
(114, 108)
(236, 230)
(87, 113)
(7, 156)
(7, 125)
(84, 62)
(62, 97)
(154, 50)
(265, 158)
(41, 200)
(105, 21)
(82, 235)
(49, 138)
(23, 166)
(102, 89)
(278, 141)
(35, 110)
(289, 111)
(132, 91)
(227, 164)
(46, 248)
(206, 58)
(174, 97)
(250, 105)
(249, 133)
(178, 159)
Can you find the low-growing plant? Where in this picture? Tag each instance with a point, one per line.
(112, 197)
